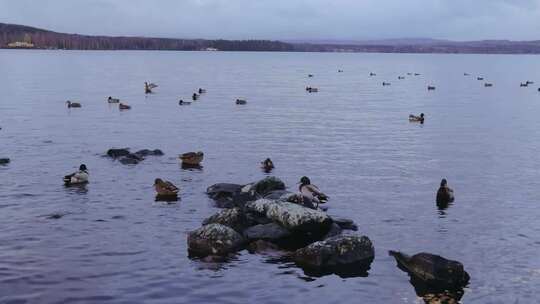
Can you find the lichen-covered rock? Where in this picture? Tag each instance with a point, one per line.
(232, 218)
(115, 153)
(229, 195)
(433, 270)
(336, 251)
(291, 216)
(214, 239)
(271, 232)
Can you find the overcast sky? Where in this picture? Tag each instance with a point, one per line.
(284, 19)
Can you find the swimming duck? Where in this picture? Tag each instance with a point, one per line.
(445, 194)
(401, 77)
(372, 74)
(480, 78)
(241, 101)
(78, 178)
(191, 158)
(431, 88)
(202, 91)
(183, 103)
(73, 104)
(122, 106)
(386, 84)
(414, 118)
(113, 100)
(340, 71)
(529, 82)
(416, 74)
(195, 96)
(409, 74)
(165, 188)
(312, 90)
(310, 75)
(267, 165)
(311, 193)
(465, 74)
(523, 84)
(487, 85)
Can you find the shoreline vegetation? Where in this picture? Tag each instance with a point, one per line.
(14, 36)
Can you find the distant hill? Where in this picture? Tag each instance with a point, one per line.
(20, 36)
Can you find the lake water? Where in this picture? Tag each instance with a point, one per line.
(114, 244)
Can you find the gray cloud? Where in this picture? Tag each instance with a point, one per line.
(284, 19)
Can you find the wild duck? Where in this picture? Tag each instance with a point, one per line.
(165, 188)
(113, 100)
(73, 104)
(122, 106)
(241, 101)
(78, 178)
(192, 158)
(414, 118)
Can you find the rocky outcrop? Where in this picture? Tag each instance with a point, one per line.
(234, 195)
(146, 152)
(432, 270)
(267, 185)
(345, 224)
(337, 251)
(115, 153)
(214, 239)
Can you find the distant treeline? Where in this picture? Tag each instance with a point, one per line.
(43, 39)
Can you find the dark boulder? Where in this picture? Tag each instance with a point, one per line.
(344, 255)
(267, 185)
(335, 230)
(229, 195)
(269, 232)
(232, 218)
(345, 224)
(432, 271)
(4, 161)
(130, 160)
(115, 153)
(214, 239)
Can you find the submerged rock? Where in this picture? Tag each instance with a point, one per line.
(146, 152)
(271, 232)
(263, 247)
(282, 195)
(345, 224)
(267, 185)
(130, 160)
(224, 194)
(232, 218)
(115, 153)
(433, 271)
(337, 251)
(4, 161)
(214, 239)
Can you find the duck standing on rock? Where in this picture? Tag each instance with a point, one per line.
(445, 194)
(165, 190)
(73, 104)
(267, 165)
(78, 178)
(311, 193)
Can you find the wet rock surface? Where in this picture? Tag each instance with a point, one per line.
(214, 239)
(127, 158)
(339, 250)
(232, 218)
(271, 231)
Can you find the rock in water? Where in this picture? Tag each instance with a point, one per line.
(345, 224)
(146, 152)
(267, 185)
(228, 195)
(282, 195)
(337, 251)
(270, 232)
(4, 161)
(433, 270)
(232, 218)
(263, 247)
(299, 218)
(115, 153)
(214, 239)
(129, 160)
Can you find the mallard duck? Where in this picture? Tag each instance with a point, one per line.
(487, 85)
(416, 74)
(431, 88)
(465, 74)
(310, 75)
(372, 74)
(241, 101)
(78, 178)
(312, 90)
(267, 165)
(147, 88)
(202, 91)
(414, 118)
(480, 78)
(529, 82)
(340, 71)
(73, 104)
(311, 193)
(195, 96)
(445, 194)
(122, 106)
(523, 84)
(113, 100)
(192, 158)
(386, 84)
(401, 77)
(165, 188)
(183, 103)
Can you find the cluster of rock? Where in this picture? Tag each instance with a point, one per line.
(127, 158)
(261, 216)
